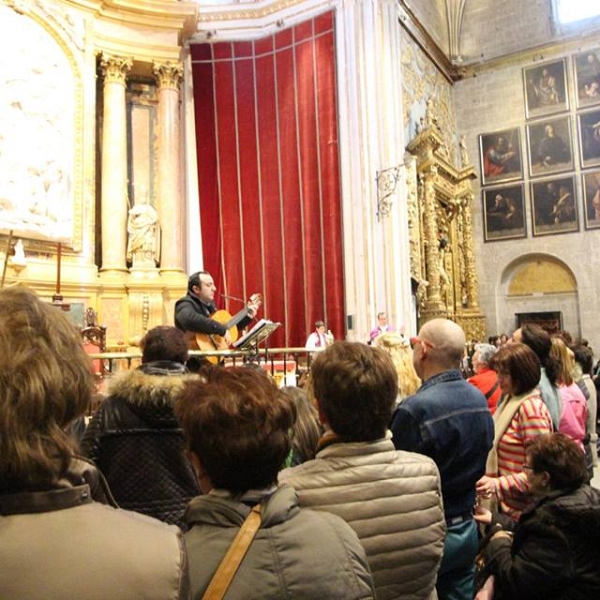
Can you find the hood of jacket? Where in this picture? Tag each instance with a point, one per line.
(577, 511)
(221, 509)
(151, 384)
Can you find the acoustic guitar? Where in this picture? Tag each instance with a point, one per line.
(209, 342)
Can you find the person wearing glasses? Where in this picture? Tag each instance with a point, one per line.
(448, 420)
(553, 551)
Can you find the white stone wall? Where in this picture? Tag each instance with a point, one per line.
(491, 29)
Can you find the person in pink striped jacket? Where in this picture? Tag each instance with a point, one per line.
(521, 416)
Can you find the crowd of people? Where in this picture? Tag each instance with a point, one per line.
(391, 475)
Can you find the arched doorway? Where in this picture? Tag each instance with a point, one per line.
(538, 283)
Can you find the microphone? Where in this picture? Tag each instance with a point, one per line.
(232, 298)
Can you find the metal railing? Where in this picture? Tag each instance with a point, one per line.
(288, 366)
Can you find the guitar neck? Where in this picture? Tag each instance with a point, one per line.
(237, 318)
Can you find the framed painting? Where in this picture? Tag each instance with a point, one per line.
(550, 146)
(586, 66)
(504, 212)
(500, 156)
(545, 89)
(589, 137)
(591, 199)
(553, 206)
(549, 321)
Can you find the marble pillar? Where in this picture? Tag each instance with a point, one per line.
(114, 164)
(169, 198)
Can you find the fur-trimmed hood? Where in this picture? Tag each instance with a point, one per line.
(150, 386)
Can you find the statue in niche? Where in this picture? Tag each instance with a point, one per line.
(143, 245)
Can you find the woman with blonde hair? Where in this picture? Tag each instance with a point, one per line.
(399, 350)
(574, 409)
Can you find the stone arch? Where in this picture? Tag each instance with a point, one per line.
(538, 282)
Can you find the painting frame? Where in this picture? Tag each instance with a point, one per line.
(590, 184)
(554, 207)
(586, 67)
(503, 210)
(588, 126)
(501, 156)
(545, 88)
(550, 146)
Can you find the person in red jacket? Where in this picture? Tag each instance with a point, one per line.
(486, 379)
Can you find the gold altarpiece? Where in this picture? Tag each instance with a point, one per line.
(440, 196)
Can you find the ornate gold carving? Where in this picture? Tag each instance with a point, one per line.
(447, 281)
(168, 74)
(115, 68)
(250, 13)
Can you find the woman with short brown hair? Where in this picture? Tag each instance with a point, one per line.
(554, 552)
(521, 416)
(237, 425)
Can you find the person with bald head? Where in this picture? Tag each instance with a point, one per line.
(448, 420)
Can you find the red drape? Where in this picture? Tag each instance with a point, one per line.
(268, 172)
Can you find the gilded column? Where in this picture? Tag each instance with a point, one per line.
(471, 276)
(432, 253)
(114, 164)
(169, 76)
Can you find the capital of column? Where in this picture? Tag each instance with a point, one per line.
(168, 74)
(115, 68)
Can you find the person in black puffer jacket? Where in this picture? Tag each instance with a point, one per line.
(555, 551)
(135, 439)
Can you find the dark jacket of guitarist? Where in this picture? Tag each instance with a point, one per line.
(193, 311)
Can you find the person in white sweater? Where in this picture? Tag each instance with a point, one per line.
(391, 498)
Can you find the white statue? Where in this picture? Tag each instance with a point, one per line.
(143, 246)
(18, 258)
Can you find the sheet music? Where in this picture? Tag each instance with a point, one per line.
(262, 330)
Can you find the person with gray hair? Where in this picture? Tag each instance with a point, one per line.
(485, 378)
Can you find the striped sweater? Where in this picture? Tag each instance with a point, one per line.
(531, 419)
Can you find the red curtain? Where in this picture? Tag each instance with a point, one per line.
(268, 172)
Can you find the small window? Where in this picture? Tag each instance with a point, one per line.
(571, 11)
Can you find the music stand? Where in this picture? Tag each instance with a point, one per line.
(259, 333)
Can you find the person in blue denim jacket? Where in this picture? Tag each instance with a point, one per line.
(448, 420)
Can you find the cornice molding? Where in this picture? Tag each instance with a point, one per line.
(427, 44)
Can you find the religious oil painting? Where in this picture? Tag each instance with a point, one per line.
(591, 199)
(545, 89)
(37, 123)
(554, 206)
(586, 66)
(504, 213)
(500, 156)
(549, 145)
(589, 137)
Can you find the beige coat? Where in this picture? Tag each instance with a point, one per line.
(392, 499)
(60, 544)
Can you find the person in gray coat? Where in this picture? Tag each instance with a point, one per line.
(237, 426)
(392, 499)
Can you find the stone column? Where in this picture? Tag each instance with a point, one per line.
(114, 164)
(169, 198)
(470, 273)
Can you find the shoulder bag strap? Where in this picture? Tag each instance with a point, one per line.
(492, 390)
(226, 571)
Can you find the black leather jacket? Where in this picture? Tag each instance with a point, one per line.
(137, 444)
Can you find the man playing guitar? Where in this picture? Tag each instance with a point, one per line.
(193, 312)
